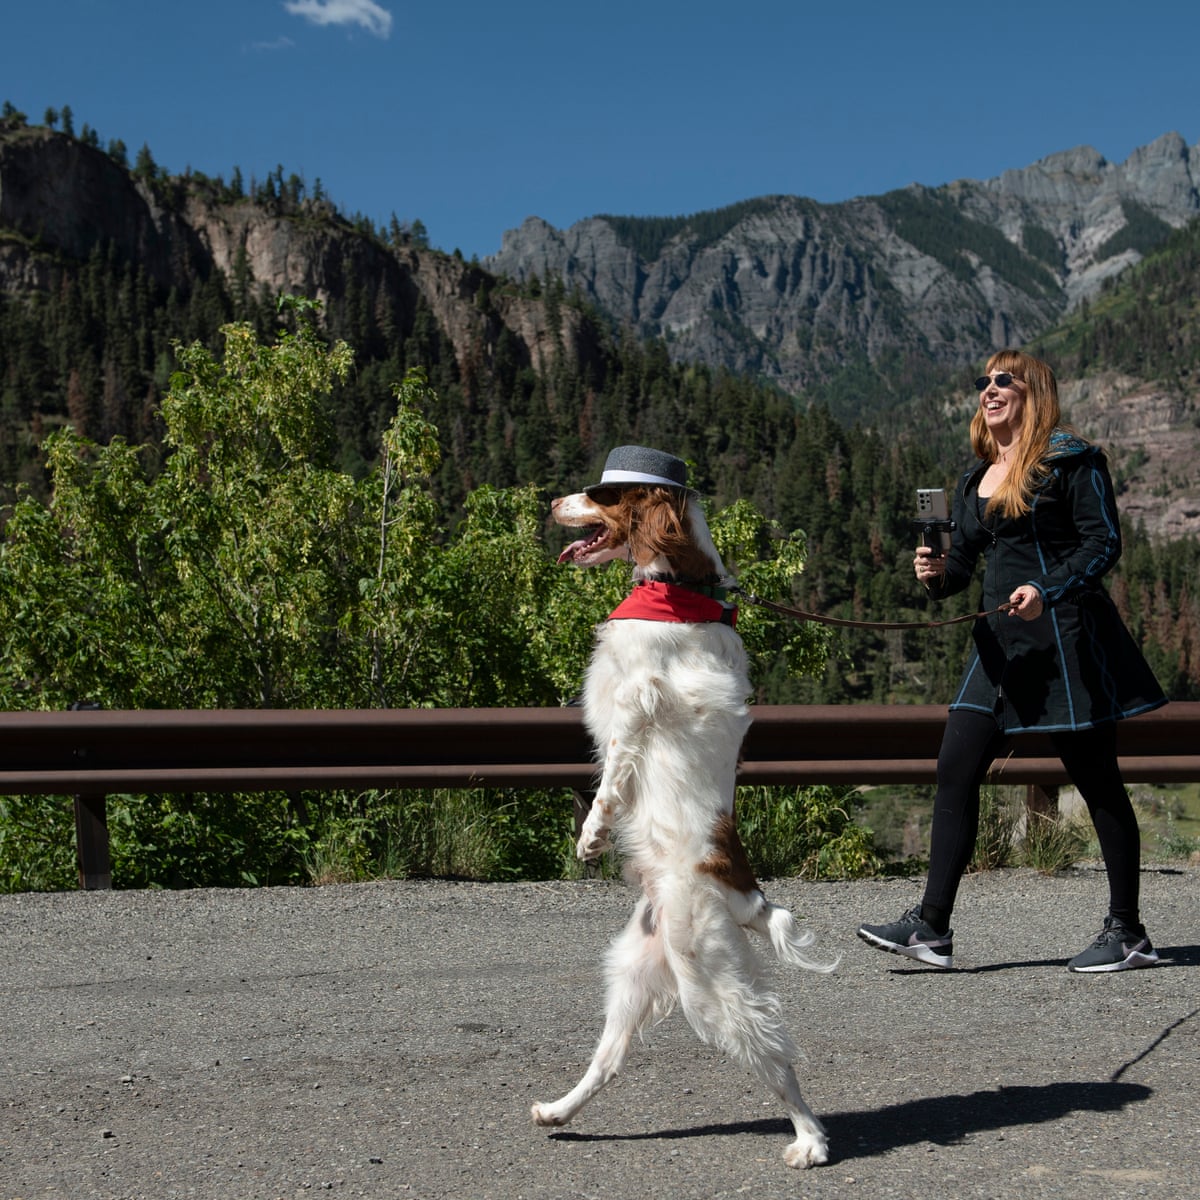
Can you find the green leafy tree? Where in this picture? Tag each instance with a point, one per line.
(246, 569)
(218, 581)
(262, 532)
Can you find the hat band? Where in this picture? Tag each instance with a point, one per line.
(638, 477)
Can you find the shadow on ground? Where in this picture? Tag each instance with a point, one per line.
(944, 1120)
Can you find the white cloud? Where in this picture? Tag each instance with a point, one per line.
(371, 16)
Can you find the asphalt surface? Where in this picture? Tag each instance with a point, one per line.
(386, 1040)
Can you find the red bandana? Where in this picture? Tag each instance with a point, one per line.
(650, 601)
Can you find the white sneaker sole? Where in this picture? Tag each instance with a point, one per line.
(921, 952)
(1135, 960)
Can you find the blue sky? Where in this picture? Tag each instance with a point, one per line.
(472, 116)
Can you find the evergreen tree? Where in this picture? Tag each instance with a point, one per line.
(144, 167)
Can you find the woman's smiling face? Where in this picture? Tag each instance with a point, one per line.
(1003, 407)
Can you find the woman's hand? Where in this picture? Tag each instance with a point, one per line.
(1026, 602)
(930, 567)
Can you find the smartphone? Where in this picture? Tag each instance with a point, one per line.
(931, 502)
(933, 519)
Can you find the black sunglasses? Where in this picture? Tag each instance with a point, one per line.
(606, 497)
(1001, 379)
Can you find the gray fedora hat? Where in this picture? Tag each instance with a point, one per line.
(629, 466)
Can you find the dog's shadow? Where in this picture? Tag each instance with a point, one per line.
(943, 1120)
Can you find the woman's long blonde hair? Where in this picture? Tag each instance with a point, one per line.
(1041, 417)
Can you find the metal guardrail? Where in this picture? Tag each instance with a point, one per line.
(92, 754)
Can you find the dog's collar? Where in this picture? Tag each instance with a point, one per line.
(709, 586)
(663, 600)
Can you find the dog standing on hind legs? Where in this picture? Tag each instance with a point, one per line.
(665, 702)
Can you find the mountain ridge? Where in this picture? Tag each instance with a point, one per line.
(887, 297)
(792, 285)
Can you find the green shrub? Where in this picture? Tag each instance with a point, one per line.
(804, 831)
(467, 833)
(37, 844)
(1174, 843)
(207, 840)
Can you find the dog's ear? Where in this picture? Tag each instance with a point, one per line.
(656, 528)
(659, 528)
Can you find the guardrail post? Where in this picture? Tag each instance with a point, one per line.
(91, 843)
(91, 828)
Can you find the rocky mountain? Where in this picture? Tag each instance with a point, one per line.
(63, 201)
(863, 304)
(794, 290)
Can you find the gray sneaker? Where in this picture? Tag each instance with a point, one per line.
(1117, 948)
(913, 938)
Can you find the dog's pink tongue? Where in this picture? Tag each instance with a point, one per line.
(568, 555)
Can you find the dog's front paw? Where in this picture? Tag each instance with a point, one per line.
(592, 844)
(544, 1114)
(806, 1152)
(593, 836)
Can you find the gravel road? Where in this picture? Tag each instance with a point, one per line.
(386, 1040)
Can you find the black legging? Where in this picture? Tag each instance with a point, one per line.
(971, 742)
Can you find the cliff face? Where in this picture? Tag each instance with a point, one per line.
(61, 200)
(1152, 437)
(790, 290)
(66, 199)
(793, 289)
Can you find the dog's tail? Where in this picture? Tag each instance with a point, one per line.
(752, 910)
(789, 941)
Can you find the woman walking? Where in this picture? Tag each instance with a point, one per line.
(1040, 508)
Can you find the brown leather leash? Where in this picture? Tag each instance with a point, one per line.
(845, 623)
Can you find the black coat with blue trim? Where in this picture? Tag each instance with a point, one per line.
(1075, 665)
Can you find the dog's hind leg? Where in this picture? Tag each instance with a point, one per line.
(724, 1001)
(753, 1034)
(811, 1146)
(640, 986)
(728, 865)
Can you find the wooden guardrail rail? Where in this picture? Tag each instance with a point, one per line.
(91, 754)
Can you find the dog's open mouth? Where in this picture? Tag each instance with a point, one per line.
(595, 538)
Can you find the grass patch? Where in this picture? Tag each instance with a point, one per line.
(1169, 816)
(1053, 842)
(445, 833)
(900, 817)
(998, 819)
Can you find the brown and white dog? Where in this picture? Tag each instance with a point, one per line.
(665, 700)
